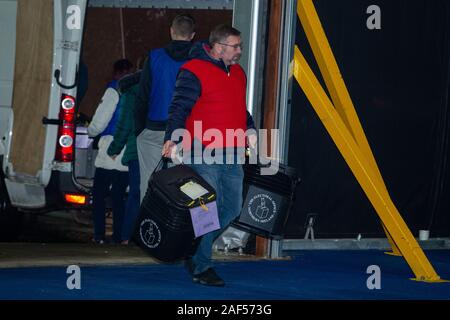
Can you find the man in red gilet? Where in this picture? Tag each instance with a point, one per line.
(209, 105)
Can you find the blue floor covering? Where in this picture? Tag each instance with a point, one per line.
(309, 275)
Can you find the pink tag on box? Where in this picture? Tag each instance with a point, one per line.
(205, 221)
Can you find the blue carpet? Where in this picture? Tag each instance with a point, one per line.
(331, 275)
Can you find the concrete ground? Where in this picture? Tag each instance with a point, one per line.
(64, 238)
(15, 255)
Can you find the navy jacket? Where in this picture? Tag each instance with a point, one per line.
(188, 90)
(177, 50)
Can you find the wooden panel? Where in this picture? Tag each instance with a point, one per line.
(272, 66)
(32, 79)
(144, 29)
(271, 86)
(102, 46)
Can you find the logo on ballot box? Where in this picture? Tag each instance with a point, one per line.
(150, 233)
(262, 208)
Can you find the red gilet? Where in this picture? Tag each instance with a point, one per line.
(220, 106)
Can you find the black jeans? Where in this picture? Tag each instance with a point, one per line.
(103, 180)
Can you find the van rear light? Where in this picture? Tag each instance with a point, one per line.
(68, 103)
(65, 141)
(75, 198)
(68, 118)
(66, 130)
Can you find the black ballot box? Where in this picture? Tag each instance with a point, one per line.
(268, 200)
(164, 227)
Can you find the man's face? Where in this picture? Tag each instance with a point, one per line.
(231, 50)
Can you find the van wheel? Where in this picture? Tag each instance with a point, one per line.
(10, 221)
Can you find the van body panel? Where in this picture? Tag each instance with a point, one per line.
(27, 195)
(48, 38)
(68, 26)
(6, 123)
(8, 12)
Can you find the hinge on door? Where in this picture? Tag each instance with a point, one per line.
(47, 121)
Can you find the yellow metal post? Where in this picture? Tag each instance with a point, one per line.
(395, 250)
(337, 88)
(362, 171)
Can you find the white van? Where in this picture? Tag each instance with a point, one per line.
(39, 60)
(38, 85)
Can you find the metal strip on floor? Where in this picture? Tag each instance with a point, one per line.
(355, 244)
(164, 4)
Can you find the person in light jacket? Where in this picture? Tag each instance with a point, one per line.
(125, 139)
(109, 172)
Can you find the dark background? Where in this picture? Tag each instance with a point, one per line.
(398, 78)
(143, 29)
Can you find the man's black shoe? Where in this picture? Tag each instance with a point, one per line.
(208, 278)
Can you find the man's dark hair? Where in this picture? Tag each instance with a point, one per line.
(221, 32)
(183, 25)
(122, 66)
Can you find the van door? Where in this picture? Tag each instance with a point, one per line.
(67, 41)
(8, 12)
(48, 40)
(33, 22)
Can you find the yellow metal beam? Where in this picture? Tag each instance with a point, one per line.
(395, 250)
(362, 171)
(337, 88)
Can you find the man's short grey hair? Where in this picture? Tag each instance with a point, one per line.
(221, 33)
(183, 25)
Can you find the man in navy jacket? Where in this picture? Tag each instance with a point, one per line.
(155, 93)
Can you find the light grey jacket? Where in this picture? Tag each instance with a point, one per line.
(102, 116)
